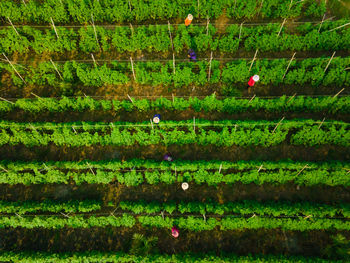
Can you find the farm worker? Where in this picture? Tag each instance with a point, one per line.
(167, 157)
(192, 55)
(184, 186)
(156, 118)
(188, 20)
(252, 80)
(174, 232)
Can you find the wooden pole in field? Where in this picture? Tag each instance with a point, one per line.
(2, 168)
(288, 65)
(74, 130)
(251, 64)
(208, 24)
(12, 25)
(277, 125)
(291, 98)
(90, 168)
(53, 64)
(151, 123)
(279, 32)
(321, 123)
(132, 68)
(339, 93)
(35, 95)
(93, 58)
(194, 124)
(14, 68)
(172, 94)
(93, 25)
(302, 169)
(220, 168)
(290, 5)
(132, 30)
(211, 58)
(6, 100)
(261, 167)
(240, 30)
(338, 27)
(24, 2)
(130, 98)
(329, 62)
(129, 5)
(324, 16)
(171, 39)
(174, 63)
(252, 99)
(54, 27)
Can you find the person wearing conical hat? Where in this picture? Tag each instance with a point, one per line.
(188, 20)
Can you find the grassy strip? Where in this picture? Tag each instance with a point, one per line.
(301, 72)
(306, 37)
(135, 10)
(117, 257)
(219, 133)
(327, 104)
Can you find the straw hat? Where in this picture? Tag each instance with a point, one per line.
(184, 186)
(256, 78)
(190, 17)
(156, 120)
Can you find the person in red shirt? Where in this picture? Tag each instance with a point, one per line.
(252, 81)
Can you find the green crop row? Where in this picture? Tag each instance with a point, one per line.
(156, 39)
(247, 207)
(118, 257)
(271, 72)
(189, 222)
(208, 104)
(219, 133)
(211, 173)
(49, 206)
(66, 11)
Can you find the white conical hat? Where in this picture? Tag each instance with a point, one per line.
(156, 120)
(190, 17)
(256, 78)
(184, 186)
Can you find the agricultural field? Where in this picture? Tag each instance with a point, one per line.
(175, 131)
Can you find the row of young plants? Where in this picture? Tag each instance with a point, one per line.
(218, 133)
(328, 104)
(156, 38)
(184, 222)
(117, 257)
(71, 206)
(16, 173)
(66, 11)
(246, 207)
(307, 71)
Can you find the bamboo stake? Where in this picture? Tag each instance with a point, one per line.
(130, 98)
(279, 32)
(132, 68)
(35, 95)
(194, 124)
(24, 2)
(289, 65)
(175, 170)
(278, 125)
(290, 5)
(207, 25)
(236, 127)
(220, 168)
(261, 167)
(132, 30)
(151, 123)
(205, 219)
(129, 5)
(339, 27)
(171, 39)
(66, 215)
(56, 69)
(321, 123)
(324, 16)
(240, 30)
(46, 168)
(14, 68)
(33, 128)
(162, 213)
(302, 169)
(291, 98)
(329, 62)
(172, 94)
(211, 58)
(251, 64)
(93, 58)
(4, 169)
(18, 215)
(174, 63)
(90, 168)
(74, 130)
(54, 27)
(339, 93)
(93, 25)
(12, 25)
(306, 217)
(252, 99)
(7, 100)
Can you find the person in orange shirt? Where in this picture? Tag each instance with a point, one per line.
(188, 20)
